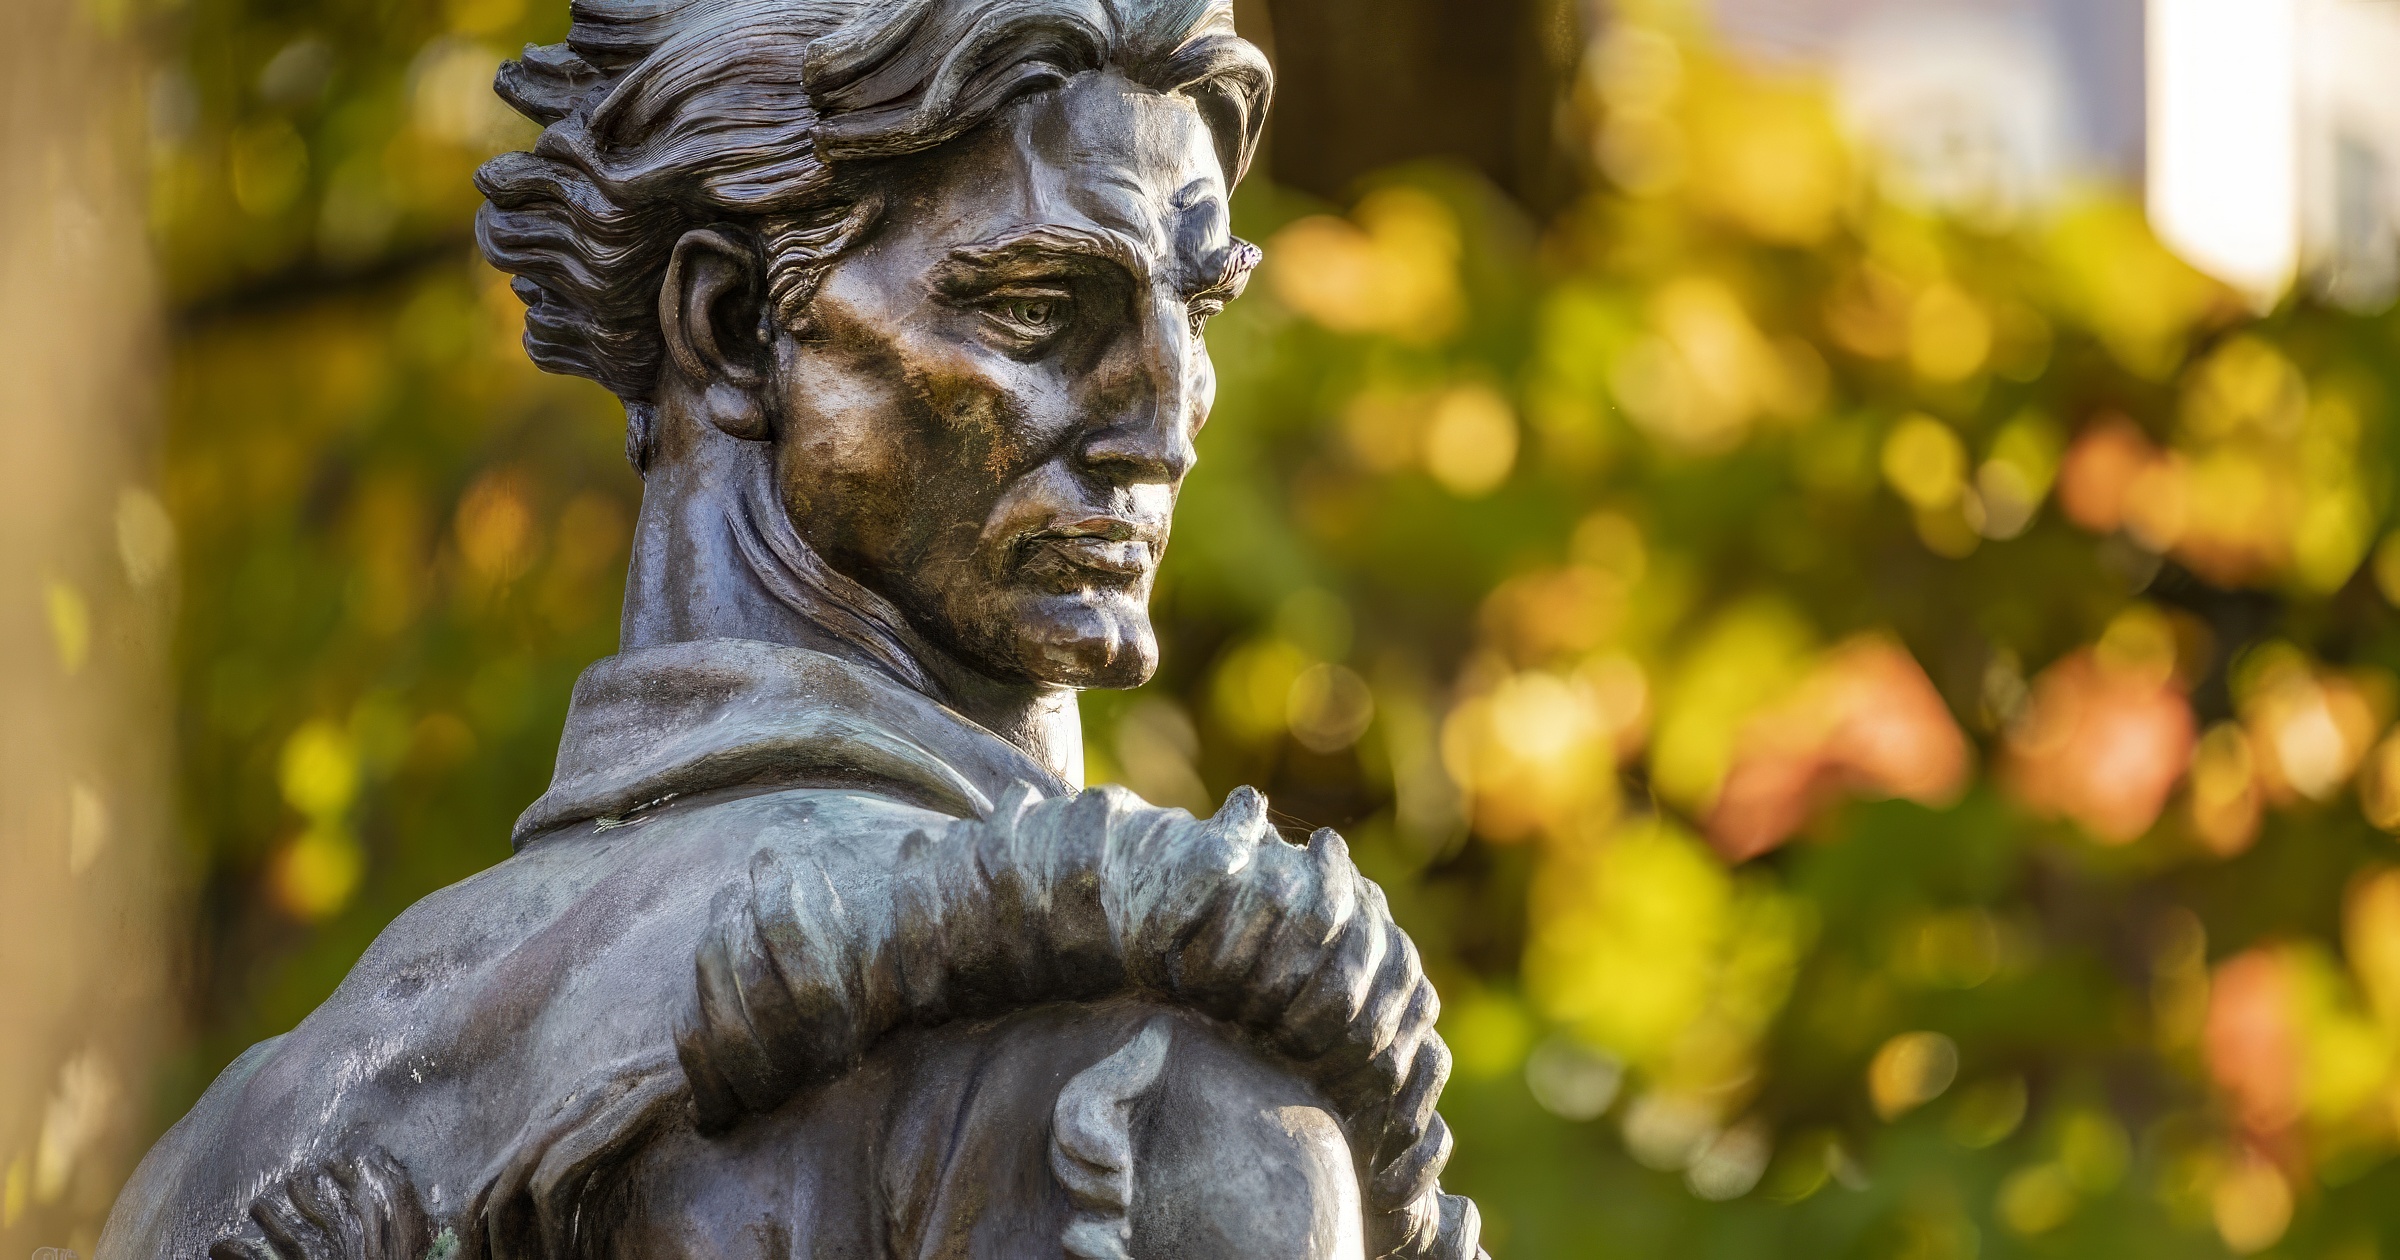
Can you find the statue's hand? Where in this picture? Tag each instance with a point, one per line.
(361, 1208)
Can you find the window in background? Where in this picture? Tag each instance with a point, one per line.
(2224, 138)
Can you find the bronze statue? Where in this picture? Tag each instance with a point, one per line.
(813, 947)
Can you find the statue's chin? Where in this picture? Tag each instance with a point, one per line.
(1086, 641)
(1102, 672)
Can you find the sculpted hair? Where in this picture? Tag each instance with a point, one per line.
(660, 116)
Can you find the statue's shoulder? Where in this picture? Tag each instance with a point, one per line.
(599, 915)
(489, 998)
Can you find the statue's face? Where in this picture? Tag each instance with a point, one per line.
(991, 406)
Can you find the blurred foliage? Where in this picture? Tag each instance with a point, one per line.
(1877, 713)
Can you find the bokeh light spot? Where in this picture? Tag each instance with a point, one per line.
(1910, 1070)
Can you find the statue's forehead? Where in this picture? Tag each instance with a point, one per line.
(1101, 152)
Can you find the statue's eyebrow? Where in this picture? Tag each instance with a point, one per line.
(1038, 252)
(1054, 250)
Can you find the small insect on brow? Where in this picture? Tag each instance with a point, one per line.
(1232, 276)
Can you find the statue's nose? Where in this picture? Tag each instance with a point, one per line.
(1150, 438)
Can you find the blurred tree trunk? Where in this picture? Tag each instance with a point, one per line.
(86, 563)
(1364, 84)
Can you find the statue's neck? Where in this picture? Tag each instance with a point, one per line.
(715, 556)
(689, 578)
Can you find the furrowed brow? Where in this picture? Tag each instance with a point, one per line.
(1038, 252)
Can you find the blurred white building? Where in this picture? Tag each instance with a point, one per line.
(2349, 154)
(2266, 132)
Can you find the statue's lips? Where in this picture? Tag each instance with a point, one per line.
(1105, 546)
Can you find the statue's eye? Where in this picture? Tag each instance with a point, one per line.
(1031, 316)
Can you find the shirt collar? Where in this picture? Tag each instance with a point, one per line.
(655, 723)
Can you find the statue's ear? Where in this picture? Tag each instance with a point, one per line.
(708, 314)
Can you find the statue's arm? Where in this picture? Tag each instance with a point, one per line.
(804, 970)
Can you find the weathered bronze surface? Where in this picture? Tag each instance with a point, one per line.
(813, 947)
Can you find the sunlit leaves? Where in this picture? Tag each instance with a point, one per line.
(1391, 268)
(1645, 946)
(1790, 412)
